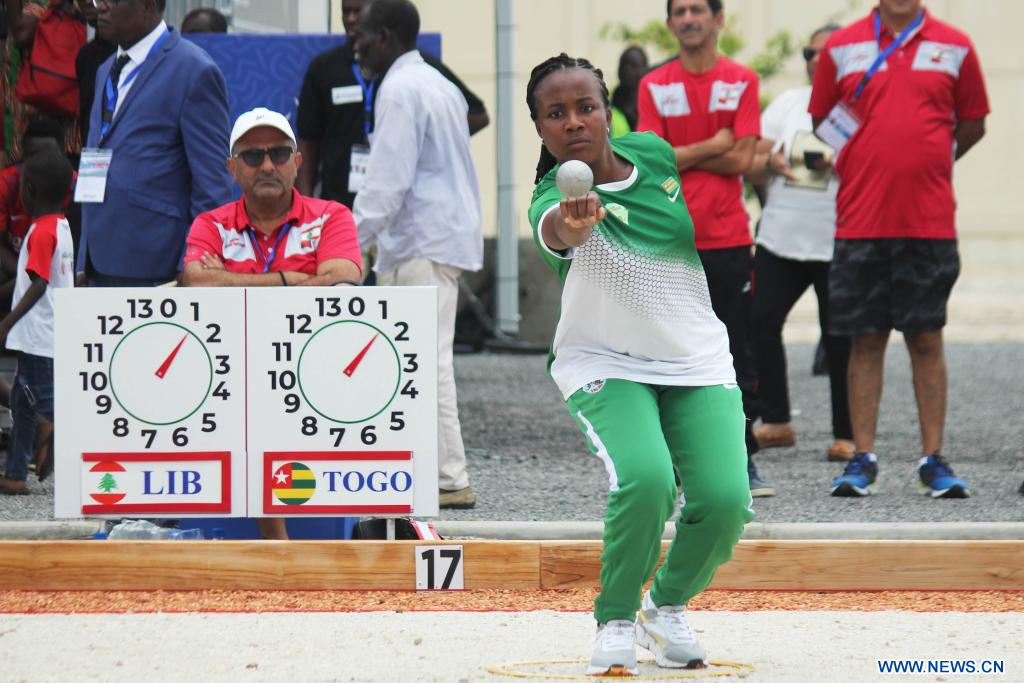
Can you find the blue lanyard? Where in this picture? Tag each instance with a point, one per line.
(268, 258)
(112, 89)
(880, 60)
(367, 98)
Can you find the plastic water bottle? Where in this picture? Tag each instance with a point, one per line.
(185, 534)
(134, 530)
(144, 530)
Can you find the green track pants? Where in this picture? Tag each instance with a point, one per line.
(640, 431)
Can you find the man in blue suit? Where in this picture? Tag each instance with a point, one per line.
(161, 113)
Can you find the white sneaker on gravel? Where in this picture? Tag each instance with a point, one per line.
(614, 650)
(666, 633)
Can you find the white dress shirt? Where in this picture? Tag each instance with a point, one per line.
(138, 53)
(420, 197)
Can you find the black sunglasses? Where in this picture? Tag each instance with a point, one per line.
(253, 158)
(810, 53)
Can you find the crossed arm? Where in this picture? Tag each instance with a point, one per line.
(209, 271)
(721, 154)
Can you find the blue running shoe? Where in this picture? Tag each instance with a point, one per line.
(938, 480)
(858, 479)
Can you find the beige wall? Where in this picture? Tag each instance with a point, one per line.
(987, 181)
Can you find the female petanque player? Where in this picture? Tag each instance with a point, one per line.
(643, 364)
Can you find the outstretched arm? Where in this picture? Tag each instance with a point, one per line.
(572, 224)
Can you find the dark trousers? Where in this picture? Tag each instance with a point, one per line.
(31, 395)
(779, 282)
(729, 274)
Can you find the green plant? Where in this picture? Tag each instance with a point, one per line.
(655, 35)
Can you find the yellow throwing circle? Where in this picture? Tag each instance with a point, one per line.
(716, 669)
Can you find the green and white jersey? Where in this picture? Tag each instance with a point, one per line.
(635, 302)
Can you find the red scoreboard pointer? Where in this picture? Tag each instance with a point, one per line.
(162, 370)
(351, 367)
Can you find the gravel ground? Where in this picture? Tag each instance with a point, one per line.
(527, 461)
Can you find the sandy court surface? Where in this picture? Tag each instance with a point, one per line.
(458, 646)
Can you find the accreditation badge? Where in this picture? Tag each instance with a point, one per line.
(839, 126)
(91, 186)
(358, 164)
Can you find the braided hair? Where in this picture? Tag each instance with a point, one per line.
(547, 160)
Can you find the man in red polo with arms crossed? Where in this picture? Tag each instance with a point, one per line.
(900, 95)
(272, 235)
(706, 106)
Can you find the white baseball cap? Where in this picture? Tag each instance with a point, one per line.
(257, 118)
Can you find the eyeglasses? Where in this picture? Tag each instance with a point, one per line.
(253, 158)
(810, 53)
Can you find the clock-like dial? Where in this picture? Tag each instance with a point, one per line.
(159, 370)
(349, 371)
(344, 369)
(161, 373)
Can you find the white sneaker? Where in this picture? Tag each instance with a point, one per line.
(666, 633)
(614, 649)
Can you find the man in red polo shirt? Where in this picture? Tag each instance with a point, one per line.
(707, 108)
(272, 235)
(900, 95)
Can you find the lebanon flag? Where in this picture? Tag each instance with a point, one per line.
(107, 483)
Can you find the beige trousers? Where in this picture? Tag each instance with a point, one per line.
(451, 454)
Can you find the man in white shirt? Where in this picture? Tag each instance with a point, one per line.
(420, 202)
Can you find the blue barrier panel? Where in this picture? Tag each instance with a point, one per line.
(266, 70)
(299, 529)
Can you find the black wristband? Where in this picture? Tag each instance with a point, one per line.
(283, 281)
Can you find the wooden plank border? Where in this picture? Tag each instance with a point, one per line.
(827, 565)
(383, 565)
(253, 565)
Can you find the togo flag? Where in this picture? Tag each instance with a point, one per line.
(294, 483)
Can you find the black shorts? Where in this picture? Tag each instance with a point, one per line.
(877, 285)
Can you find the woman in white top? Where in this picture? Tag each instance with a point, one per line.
(794, 250)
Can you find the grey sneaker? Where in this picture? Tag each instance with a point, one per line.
(614, 650)
(462, 499)
(759, 488)
(666, 633)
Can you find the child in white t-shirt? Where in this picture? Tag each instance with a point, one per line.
(46, 261)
